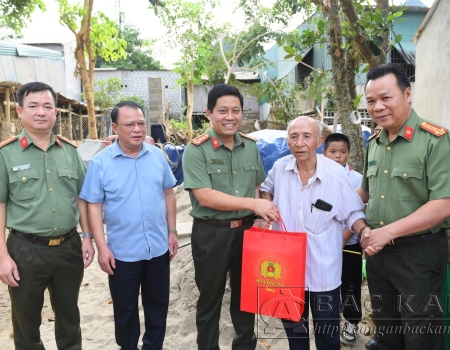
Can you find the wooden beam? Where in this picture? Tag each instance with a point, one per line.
(8, 107)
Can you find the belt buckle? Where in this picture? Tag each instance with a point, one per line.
(236, 223)
(55, 241)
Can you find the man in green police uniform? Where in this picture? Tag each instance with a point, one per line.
(406, 185)
(223, 172)
(41, 175)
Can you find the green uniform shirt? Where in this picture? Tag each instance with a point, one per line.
(403, 175)
(40, 187)
(235, 172)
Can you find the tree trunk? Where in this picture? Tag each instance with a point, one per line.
(87, 71)
(344, 87)
(360, 42)
(190, 106)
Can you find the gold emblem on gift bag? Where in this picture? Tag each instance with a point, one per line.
(270, 269)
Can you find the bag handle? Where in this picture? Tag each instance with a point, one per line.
(174, 165)
(283, 229)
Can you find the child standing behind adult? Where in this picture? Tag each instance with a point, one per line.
(337, 148)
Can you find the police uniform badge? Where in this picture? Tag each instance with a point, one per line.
(200, 139)
(65, 139)
(8, 141)
(433, 129)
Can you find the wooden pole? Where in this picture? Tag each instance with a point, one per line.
(8, 108)
(70, 121)
(60, 124)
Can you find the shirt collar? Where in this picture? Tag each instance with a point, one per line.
(215, 138)
(347, 168)
(406, 132)
(117, 151)
(291, 165)
(26, 140)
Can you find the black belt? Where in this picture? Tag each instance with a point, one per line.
(50, 241)
(228, 223)
(430, 237)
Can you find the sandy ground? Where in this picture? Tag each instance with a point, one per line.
(97, 315)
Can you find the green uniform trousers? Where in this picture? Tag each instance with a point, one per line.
(215, 251)
(58, 268)
(405, 284)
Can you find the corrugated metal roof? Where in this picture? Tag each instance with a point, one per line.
(407, 50)
(25, 69)
(246, 75)
(13, 49)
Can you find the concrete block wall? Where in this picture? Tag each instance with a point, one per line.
(136, 82)
(156, 98)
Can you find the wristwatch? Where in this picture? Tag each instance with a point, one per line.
(86, 234)
(174, 231)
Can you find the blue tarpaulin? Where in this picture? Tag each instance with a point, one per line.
(273, 146)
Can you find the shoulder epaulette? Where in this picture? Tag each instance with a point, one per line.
(66, 140)
(8, 141)
(200, 139)
(375, 134)
(433, 129)
(248, 136)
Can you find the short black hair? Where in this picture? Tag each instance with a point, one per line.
(336, 137)
(35, 86)
(399, 72)
(220, 90)
(115, 110)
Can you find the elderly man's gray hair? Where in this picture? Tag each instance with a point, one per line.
(318, 124)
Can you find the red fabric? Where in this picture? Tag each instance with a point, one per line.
(273, 266)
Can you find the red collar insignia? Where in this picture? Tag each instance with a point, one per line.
(58, 141)
(215, 143)
(408, 133)
(23, 142)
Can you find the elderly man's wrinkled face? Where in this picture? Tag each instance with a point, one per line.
(303, 139)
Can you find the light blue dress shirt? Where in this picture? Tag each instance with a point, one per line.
(132, 193)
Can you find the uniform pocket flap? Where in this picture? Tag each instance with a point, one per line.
(23, 176)
(251, 166)
(217, 169)
(372, 171)
(69, 173)
(407, 172)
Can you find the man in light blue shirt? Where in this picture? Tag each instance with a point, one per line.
(132, 184)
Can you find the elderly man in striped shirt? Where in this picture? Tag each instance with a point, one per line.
(315, 196)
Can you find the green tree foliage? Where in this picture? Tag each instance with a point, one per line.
(15, 13)
(191, 29)
(357, 36)
(96, 36)
(138, 52)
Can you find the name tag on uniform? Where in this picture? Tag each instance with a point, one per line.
(216, 161)
(21, 167)
(372, 162)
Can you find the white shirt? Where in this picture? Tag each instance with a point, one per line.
(355, 179)
(330, 184)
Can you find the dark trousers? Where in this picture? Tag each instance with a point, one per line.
(405, 281)
(351, 283)
(326, 319)
(153, 278)
(60, 269)
(215, 251)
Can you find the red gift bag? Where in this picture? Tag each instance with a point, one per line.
(273, 273)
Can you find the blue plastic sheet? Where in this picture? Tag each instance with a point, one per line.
(273, 146)
(175, 155)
